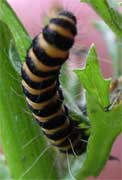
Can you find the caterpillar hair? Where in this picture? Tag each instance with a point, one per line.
(40, 73)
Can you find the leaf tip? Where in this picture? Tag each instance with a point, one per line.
(78, 71)
(92, 48)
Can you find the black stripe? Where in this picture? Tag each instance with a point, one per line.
(69, 15)
(70, 139)
(37, 72)
(53, 122)
(56, 39)
(79, 148)
(57, 82)
(73, 134)
(37, 85)
(66, 110)
(48, 110)
(59, 134)
(65, 24)
(60, 94)
(45, 58)
(40, 98)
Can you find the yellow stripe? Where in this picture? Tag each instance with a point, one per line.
(39, 65)
(36, 91)
(68, 147)
(51, 50)
(61, 30)
(41, 105)
(45, 119)
(32, 76)
(66, 18)
(57, 142)
(51, 131)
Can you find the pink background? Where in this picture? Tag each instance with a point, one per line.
(30, 13)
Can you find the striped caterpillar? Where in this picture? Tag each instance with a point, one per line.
(40, 73)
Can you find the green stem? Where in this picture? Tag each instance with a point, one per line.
(111, 17)
(21, 37)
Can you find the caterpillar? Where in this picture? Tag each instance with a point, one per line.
(40, 82)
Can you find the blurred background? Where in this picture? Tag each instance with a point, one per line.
(93, 30)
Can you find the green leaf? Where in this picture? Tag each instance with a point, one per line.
(105, 125)
(72, 92)
(27, 153)
(111, 17)
(114, 45)
(75, 167)
(14, 57)
(91, 75)
(21, 37)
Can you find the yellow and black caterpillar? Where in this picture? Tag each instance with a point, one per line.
(40, 73)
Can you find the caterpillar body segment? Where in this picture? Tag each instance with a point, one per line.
(40, 73)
